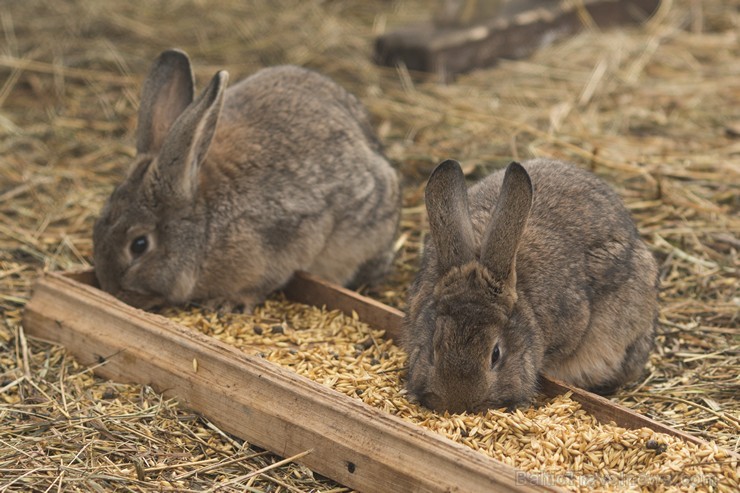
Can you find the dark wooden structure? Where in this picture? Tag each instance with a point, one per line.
(456, 43)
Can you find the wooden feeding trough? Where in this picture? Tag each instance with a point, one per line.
(274, 408)
(476, 33)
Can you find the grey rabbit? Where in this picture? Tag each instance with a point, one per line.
(233, 192)
(536, 269)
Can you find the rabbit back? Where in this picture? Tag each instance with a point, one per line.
(233, 192)
(577, 302)
(315, 186)
(584, 272)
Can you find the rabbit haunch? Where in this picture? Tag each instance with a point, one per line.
(535, 270)
(232, 193)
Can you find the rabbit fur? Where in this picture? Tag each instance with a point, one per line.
(232, 193)
(536, 269)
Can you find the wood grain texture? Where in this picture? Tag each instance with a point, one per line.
(350, 442)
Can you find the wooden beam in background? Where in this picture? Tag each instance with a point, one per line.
(450, 50)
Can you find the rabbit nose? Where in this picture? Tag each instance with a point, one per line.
(108, 284)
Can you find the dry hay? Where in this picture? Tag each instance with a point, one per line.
(653, 110)
(554, 439)
(65, 430)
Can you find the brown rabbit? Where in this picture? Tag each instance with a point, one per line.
(535, 270)
(232, 193)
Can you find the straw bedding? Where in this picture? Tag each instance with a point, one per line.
(651, 109)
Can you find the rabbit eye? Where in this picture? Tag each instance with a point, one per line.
(139, 245)
(495, 355)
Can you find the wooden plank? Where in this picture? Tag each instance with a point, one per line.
(353, 443)
(450, 50)
(309, 289)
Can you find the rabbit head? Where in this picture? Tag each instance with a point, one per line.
(148, 236)
(464, 356)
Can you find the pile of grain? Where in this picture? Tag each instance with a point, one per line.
(555, 440)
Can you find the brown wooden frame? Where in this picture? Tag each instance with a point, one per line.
(272, 407)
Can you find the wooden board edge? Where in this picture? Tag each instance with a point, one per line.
(351, 442)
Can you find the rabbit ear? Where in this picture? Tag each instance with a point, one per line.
(174, 175)
(449, 217)
(167, 91)
(501, 239)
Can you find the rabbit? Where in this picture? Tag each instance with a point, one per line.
(231, 193)
(537, 269)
